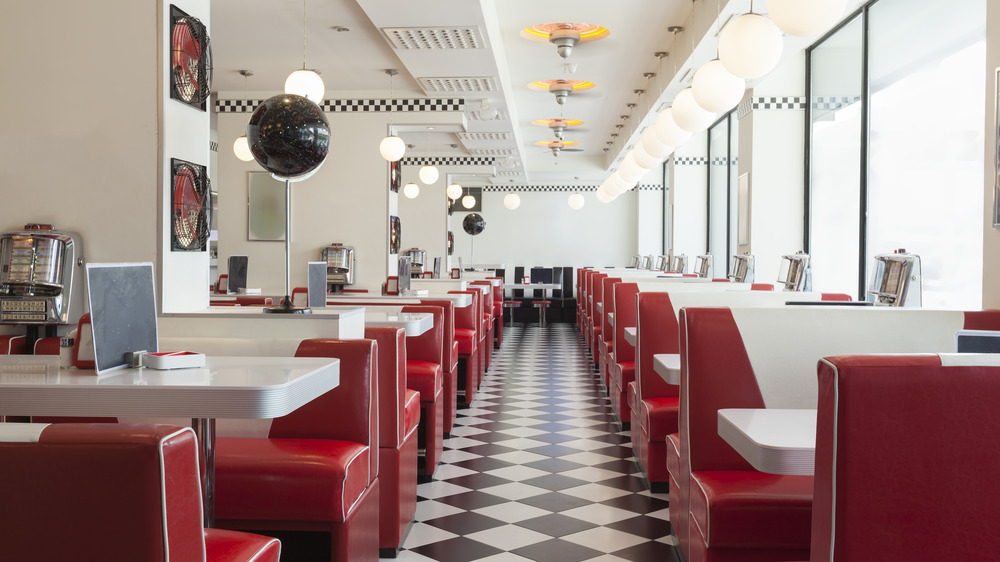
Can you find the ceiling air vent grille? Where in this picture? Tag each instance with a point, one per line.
(508, 173)
(457, 85)
(472, 137)
(434, 37)
(492, 151)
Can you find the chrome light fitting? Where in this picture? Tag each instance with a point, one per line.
(565, 35)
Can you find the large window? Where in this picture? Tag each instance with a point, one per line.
(723, 140)
(912, 178)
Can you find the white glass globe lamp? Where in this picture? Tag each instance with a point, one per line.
(715, 89)
(411, 190)
(468, 201)
(688, 115)
(750, 46)
(667, 130)
(805, 18)
(576, 201)
(454, 191)
(241, 147)
(512, 201)
(428, 174)
(307, 84)
(392, 148)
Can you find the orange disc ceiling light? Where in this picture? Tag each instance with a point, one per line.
(564, 35)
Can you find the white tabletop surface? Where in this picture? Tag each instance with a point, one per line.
(227, 387)
(668, 366)
(630, 332)
(611, 319)
(414, 323)
(773, 440)
(600, 307)
(461, 300)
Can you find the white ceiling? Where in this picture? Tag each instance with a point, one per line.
(266, 36)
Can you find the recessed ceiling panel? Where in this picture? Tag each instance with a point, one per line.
(434, 37)
(457, 84)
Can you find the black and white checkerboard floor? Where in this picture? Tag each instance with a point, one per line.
(537, 470)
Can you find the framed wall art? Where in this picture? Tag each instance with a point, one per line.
(265, 207)
(190, 206)
(394, 235)
(190, 59)
(395, 176)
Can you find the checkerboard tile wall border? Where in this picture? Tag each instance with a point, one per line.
(690, 161)
(556, 188)
(449, 161)
(781, 103)
(355, 105)
(833, 103)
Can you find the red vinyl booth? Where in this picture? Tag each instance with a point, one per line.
(905, 451)
(498, 310)
(424, 374)
(316, 470)
(654, 413)
(468, 325)
(399, 417)
(593, 317)
(766, 357)
(605, 343)
(110, 492)
(450, 365)
(12, 345)
(489, 320)
(621, 367)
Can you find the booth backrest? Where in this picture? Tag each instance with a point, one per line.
(623, 296)
(766, 357)
(593, 287)
(12, 345)
(656, 333)
(428, 346)
(101, 492)
(391, 383)
(470, 317)
(906, 449)
(449, 330)
(608, 305)
(348, 412)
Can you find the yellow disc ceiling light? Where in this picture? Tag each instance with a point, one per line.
(564, 35)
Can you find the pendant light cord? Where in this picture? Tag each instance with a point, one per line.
(303, 34)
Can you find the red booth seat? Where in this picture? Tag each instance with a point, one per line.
(468, 325)
(488, 335)
(498, 310)
(316, 470)
(766, 357)
(450, 365)
(922, 486)
(605, 343)
(110, 492)
(424, 374)
(12, 345)
(399, 417)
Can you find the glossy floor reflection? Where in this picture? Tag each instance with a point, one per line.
(537, 470)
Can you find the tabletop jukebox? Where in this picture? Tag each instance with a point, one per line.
(39, 279)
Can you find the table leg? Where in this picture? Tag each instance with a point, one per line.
(204, 429)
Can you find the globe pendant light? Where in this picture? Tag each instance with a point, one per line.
(392, 147)
(411, 190)
(576, 201)
(688, 115)
(715, 89)
(750, 46)
(468, 201)
(305, 82)
(454, 191)
(667, 130)
(643, 158)
(603, 194)
(512, 201)
(428, 174)
(631, 169)
(241, 146)
(805, 18)
(653, 146)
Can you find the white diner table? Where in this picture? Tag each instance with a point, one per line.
(630, 334)
(773, 440)
(226, 387)
(668, 366)
(535, 286)
(414, 323)
(461, 300)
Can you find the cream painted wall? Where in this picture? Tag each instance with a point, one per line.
(545, 231)
(346, 201)
(90, 159)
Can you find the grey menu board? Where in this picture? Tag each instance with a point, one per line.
(122, 311)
